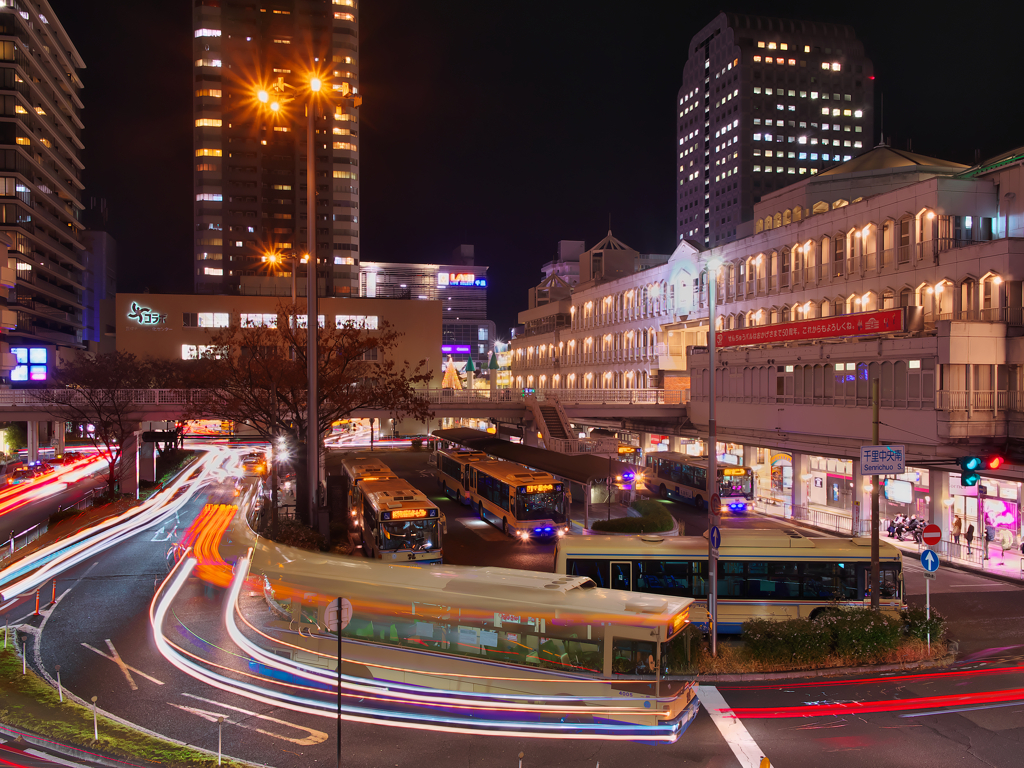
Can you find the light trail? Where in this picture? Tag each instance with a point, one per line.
(892, 705)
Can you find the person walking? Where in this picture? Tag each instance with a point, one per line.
(969, 536)
(957, 526)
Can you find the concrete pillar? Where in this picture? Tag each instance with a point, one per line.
(129, 469)
(32, 438)
(58, 437)
(530, 435)
(586, 506)
(749, 455)
(940, 506)
(798, 493)
(675, 443)
(858, 511)
(147, 462)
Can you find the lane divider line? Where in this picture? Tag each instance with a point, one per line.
(733, 731)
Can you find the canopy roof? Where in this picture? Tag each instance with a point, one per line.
(581, 468)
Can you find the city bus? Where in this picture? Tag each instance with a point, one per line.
(762, 573)
(452, 477)
(679, 476)
(490, 649)
(356, 467)
(398, 523)
(522, 502)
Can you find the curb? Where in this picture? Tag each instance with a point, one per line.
(944, 661)
(68, 750)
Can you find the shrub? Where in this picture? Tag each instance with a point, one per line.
(294, 534)
(861, 634)
(917, 624)
(654, 518)
(62, 514)
(799, 641)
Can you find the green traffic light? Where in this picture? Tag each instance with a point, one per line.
(970, 462)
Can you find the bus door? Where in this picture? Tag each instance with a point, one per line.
(470, 482)
(621, 575)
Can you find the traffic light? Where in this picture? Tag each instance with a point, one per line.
(969, 466)
(994, 461)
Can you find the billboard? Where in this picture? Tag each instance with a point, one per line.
(861, 324)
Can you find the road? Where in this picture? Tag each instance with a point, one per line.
(102, 623)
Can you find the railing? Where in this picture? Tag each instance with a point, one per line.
(1015, 400)
(828, 521)
(975, 400)
(583, 445)
(19, 540)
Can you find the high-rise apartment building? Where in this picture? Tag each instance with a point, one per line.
(250, 163)
(765, 102)
(41, 143)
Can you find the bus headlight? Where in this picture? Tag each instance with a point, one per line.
(524, 535)
(561, 531)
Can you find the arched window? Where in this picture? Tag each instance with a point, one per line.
(786, 314)
(758, 226)
(907, 298)
(798, 213)
(838, 255)
(839, 306)
(778, 220)
(888, 299)
(767, 222)
(819, 207)
(784, 268)
(787, 217)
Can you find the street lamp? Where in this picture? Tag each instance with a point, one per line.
(273, 98)
(292, 261)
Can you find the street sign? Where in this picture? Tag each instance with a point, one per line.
(932, 534)
(928, 575)
(716, 504)
(882, 459)
(930, 561)
(331, 614)
(715, 537)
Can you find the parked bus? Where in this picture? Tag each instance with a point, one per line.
(398, 523)
(523, 503)
(356, 467)
(452, 477)
(766, 574)
(679, 476)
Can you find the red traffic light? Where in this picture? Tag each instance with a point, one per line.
(994, 462)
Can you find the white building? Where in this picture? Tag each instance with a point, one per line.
(938, 244)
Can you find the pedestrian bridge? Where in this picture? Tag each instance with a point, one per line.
(171, 404)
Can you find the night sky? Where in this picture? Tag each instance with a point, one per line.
(510, 126)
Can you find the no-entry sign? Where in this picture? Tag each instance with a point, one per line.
(932, 534)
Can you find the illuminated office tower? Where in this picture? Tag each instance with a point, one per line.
(250, 164)
(764, 103)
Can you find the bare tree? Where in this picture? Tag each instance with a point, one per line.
(98, 392)
(257, 376)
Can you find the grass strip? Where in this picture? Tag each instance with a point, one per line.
(30, 704)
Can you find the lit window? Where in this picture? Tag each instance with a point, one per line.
(210, 197)
(23, 140)
(213, 92)
(858, 113)
(857, 145)
(757, 137)
(207, 33)
(814, 155)
(835, 113)
(771, 46)
(824, 65)
(807, 49)
(206, 167)
(216, 271)
(757, 60)
(757, 89)
(20, 110)
(780, 61)
(40, 111)
(344, 16)
(791, 62)
(349, 3)
(802, 140)
(757, 167)
(208, 153)
(344, 174)
(346, 260)
(213, 319)
(760, 44)
(284, 187)
(282, 128)
(344, 145)
(208, 122)
(814, 94)
(836, 66)
(824, 110)
(913, 364)
(847, 113)
(207, 62)
(282, 40)
(791, 170)
(258, 320)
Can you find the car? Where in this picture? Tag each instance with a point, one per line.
(43, 468)
(21, 476)
(255, 464)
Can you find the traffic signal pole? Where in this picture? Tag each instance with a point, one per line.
(876, 571)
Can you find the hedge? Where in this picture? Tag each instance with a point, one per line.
(654, 518)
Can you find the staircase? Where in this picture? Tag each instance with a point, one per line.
(555, 426)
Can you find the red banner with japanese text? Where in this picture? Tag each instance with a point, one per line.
(861, 324)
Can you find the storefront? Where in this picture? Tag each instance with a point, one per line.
(999, 501)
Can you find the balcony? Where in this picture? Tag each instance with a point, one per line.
(974, 400)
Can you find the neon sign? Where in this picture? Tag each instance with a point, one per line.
(541, 488)
(464, 279)
(408, 514)
(146, 316)
(456, 349)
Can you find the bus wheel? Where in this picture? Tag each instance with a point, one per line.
(504, 525)
(480, 509)
(699, 503)
(663, 491)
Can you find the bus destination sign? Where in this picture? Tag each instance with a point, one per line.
(543, 488)
(408, 514)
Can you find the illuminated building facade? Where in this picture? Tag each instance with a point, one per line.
(250, 168)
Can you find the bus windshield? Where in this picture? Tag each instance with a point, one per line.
(736, 485)
(416, 535)
(541, 506)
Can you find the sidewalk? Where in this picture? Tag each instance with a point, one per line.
(1006, 566)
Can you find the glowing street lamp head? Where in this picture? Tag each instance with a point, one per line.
(275, 106)
(263, 96)
(315, 84)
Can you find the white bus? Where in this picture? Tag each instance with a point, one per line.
(398, 523)
(767, 573)
(452, 478)
(679, 476)
(522, 502)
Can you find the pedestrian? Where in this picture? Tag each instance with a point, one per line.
(969, 536)
(957, 525)
(990, 535)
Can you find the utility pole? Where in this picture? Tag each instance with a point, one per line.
(875, 567)
(714, 521)
(312, 316)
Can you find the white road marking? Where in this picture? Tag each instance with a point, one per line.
(126, 668)
(315, 737)
(53, 758)
(733, 731)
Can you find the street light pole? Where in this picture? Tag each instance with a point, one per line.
(312, 313)
(712, 477)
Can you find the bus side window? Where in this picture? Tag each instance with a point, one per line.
(596, 570)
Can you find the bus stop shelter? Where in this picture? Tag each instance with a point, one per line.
(583, 469)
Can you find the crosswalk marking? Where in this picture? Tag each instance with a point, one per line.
(733, 731)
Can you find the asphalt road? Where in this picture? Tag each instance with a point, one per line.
(108, 606)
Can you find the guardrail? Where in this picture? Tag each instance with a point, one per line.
(19, 540)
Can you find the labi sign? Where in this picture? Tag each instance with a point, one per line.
(146, 316)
